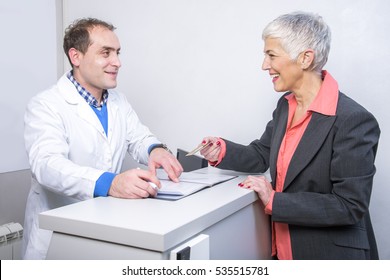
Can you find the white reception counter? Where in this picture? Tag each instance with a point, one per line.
(111, 228)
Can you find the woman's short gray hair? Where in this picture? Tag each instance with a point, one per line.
(299, 31)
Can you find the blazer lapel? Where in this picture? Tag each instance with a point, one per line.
(280, 129)
(313, 138)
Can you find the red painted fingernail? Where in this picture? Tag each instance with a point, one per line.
(210, 144)
(218, 143)
(240, 184)
(204, 142)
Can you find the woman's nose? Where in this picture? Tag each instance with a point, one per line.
(265, 65)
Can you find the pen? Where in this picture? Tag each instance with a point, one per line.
(197, 149)
(153, 185)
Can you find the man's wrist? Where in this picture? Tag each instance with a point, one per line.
(161, 145)
(103, 184)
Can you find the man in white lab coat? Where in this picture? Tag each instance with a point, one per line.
(78, 132)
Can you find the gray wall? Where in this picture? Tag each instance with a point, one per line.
(192, 68)
(14, 187)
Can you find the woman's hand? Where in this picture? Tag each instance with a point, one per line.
(213, 149)
(260, 185)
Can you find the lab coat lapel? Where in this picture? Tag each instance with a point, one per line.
(312, 140)
(112, 108)
(84, 111)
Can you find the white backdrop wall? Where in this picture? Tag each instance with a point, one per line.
(192, 68)
(28, 65)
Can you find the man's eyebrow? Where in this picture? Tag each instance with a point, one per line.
(110, 48)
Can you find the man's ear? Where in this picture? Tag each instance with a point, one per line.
(307, 58)
(74, 56)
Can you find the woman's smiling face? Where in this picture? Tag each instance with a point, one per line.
(286, 73)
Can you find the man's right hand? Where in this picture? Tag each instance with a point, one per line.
(134, 183)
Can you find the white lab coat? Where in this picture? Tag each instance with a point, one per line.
(68, 150)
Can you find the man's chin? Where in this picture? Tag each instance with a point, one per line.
(110, 85)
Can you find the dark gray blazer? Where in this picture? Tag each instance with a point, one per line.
(328, 185)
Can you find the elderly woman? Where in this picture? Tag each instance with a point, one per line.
(320, 148)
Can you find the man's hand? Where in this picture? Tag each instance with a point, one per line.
(159, 157)
(134, 183)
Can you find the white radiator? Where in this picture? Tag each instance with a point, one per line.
(10, 241)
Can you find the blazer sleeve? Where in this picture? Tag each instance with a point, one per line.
(255, 157)
(249, 158)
